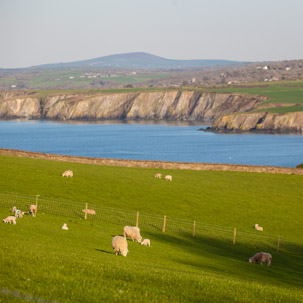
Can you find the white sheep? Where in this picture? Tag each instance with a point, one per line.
(10, 219)
(168, 178)
(257, 227)
(33, 210)
(158, 176)
(89, 211)
(145, 242)
(119, 245)
(261, 257)
(132, 232)
(64, 226)
(68, 173)
(18, 213)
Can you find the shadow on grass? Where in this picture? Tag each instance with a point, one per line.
(105, 251)
(220, 256)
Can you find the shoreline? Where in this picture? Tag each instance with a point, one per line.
(151, 163)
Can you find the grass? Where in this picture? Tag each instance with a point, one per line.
(40, 261)
(56, 78)
(283, 92)
(283, 109)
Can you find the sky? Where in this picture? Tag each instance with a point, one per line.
(34, 32)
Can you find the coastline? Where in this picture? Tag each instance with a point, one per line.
(152, 164)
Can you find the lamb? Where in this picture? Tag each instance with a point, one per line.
(119, 245)
(145, 242)
(64, 226)
(257, 227)
(18, 213)
(89, 211)
(68, 173)
(158, 176)
(168, 178)
(10, 219)
(132, 232)
(261, 257)
(33, 210)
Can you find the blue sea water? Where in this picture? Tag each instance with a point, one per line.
(164, 142)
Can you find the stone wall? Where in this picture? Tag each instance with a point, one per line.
(153, 164)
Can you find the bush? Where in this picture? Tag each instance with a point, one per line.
(300, 165)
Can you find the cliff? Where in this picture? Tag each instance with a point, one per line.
(154, 105)
(260, 122)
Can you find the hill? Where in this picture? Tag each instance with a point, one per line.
(138, 60)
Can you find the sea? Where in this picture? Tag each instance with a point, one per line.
(161, 141)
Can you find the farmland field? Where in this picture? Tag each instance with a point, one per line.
(42, 263)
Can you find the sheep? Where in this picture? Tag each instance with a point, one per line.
(64, 226)
(145, 242)
(89, 211)
(257, 227)
(68, 173)
(168, 178)
(33, 210)
(261, 257)
(119, 245)
(10, 219)
(132, 232)
(18, 213)
(158, 176)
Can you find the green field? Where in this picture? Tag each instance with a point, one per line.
(279, 92)
(41, 263)
(49, 79)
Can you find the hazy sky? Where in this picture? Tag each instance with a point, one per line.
(35, 32)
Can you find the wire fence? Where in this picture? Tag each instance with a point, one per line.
(147, 222)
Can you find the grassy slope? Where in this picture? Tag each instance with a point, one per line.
(277, 93)
(38, 258)
(281, 92)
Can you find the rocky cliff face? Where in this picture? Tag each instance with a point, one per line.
(169, 105)
(262, 122)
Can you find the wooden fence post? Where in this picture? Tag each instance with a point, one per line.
(194, 230)
(137, 221)
(85, 216)
(235, 232)
(278, 246)
(37, 204)
(164, 224)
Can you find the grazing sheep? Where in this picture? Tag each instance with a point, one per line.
(257, 227)
(261, 257)
(33, 210)
(158, 176)
(68, 173)
(119, 245)
(64, 226)
(168, 178)
(10, 219)
(18, 213)
(132, 232)
(89, 211)
(145, 242)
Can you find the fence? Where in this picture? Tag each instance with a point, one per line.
(146, 222)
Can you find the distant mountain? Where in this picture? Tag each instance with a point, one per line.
(139, 60)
